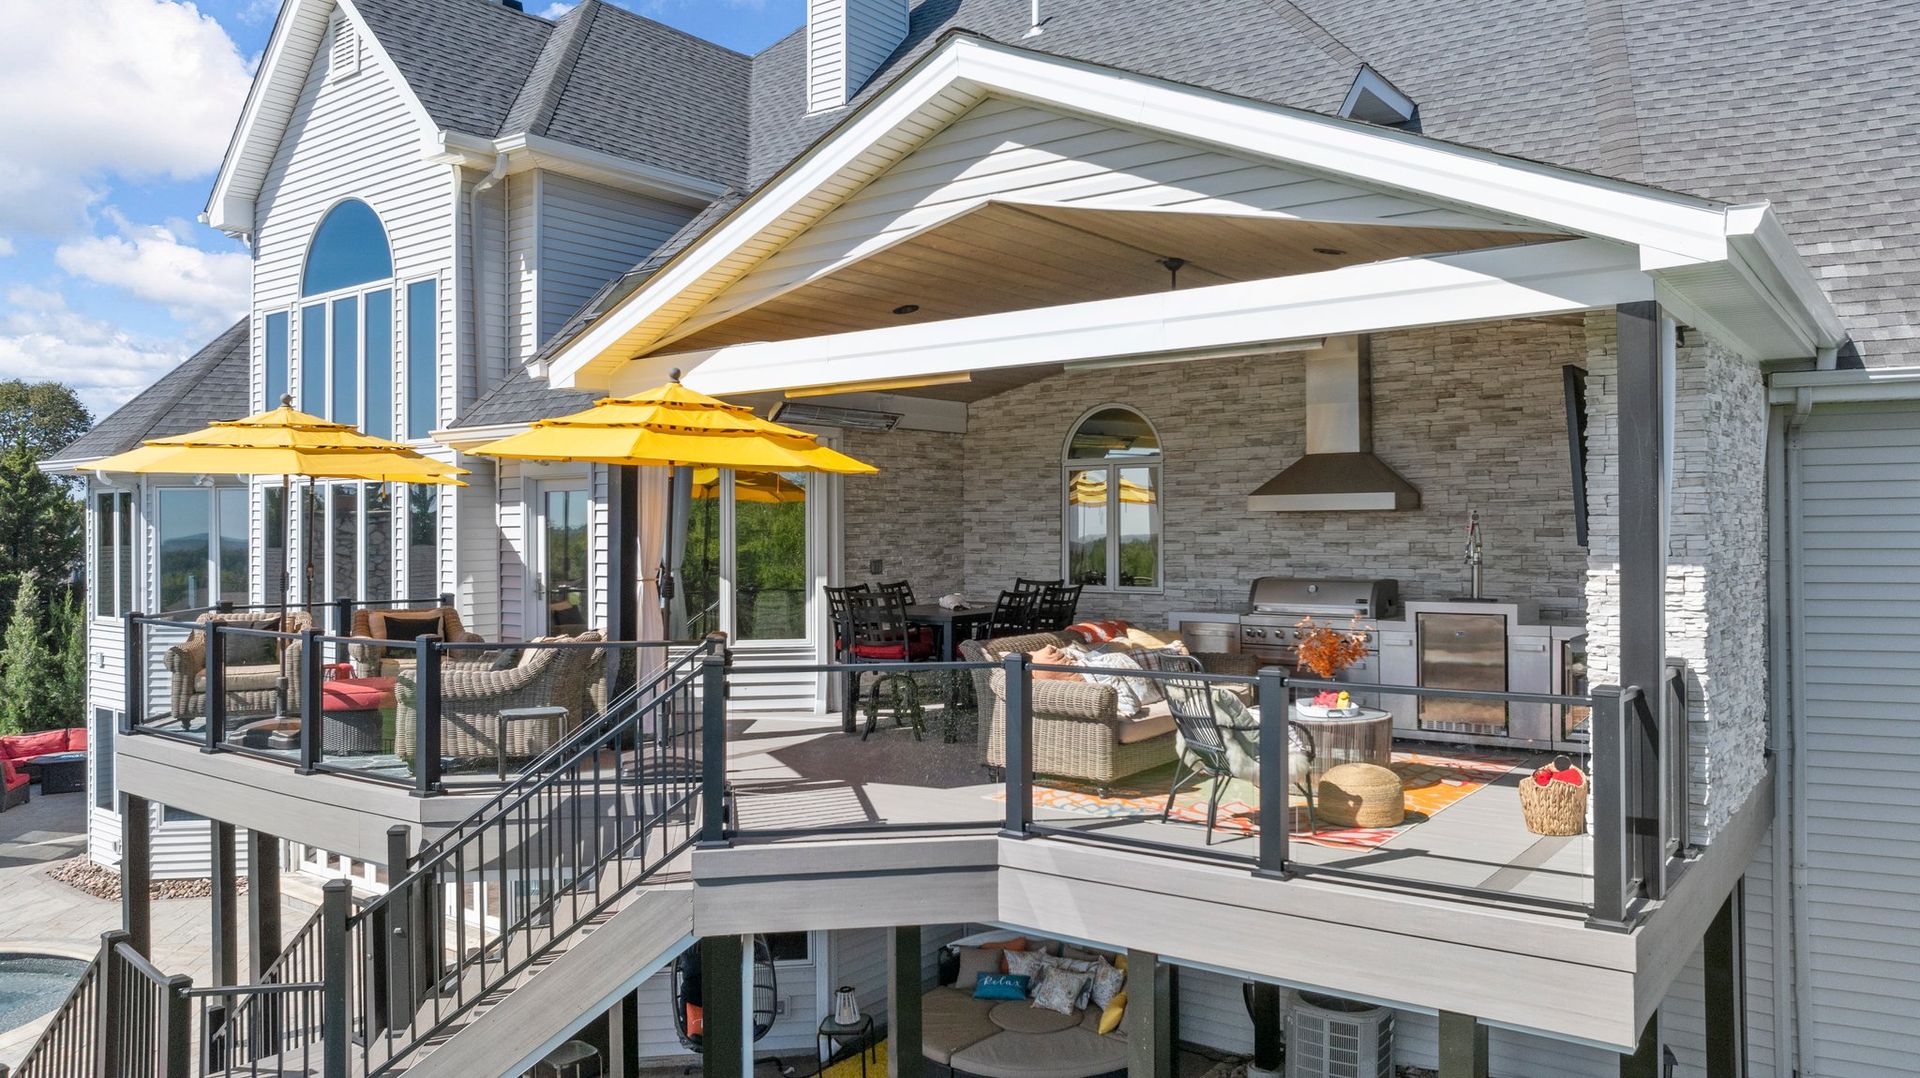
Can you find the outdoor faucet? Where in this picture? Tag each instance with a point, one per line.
(1473, 551)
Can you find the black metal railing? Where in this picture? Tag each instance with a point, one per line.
(415, 713)
(123, 1018)
(616, 804)
(277, 1021)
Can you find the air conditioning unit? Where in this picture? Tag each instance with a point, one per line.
(833, 415)
(1338, 1038)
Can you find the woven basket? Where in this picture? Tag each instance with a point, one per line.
(1361, 795)
(1558, 808)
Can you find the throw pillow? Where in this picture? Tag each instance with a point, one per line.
(1017, 943)
(1132, 694)
(1053, 656)
(1074, 967)
(1108, 982)
(407, 625)
(1000, 986)
(1029, 964)
(1231, 712)
(696, 1020)
(1112, 1013)
(1061, 990)
(245, 649)
(975, 961)
(1142, 638)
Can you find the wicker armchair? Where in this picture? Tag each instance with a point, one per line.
(473, 694)
(372, 654)
(1078, 732)
(251, 689)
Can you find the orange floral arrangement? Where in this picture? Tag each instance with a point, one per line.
(1326, 650)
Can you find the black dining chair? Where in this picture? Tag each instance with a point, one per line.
(880, 634)
(1057, 607)
(837, 616)
(1013, 614)
(902, 588)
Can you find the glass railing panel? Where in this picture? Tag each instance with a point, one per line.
(902, 750)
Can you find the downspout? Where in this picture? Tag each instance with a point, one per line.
(1825, 358)
(1797, 764)
(1778, 741)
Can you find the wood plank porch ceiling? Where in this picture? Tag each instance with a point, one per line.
(1006, 257)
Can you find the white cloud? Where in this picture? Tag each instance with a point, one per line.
(555, 10)
(108, 88)
(41, 339)
(204, 289)
(6, 247)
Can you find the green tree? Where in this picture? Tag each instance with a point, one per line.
(43, 416)
(69, 621)
(41, 526)
(30, 679)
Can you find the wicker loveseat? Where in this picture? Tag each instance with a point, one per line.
(252, 688)
(473, 694)
(1078, 732)
(371, 625)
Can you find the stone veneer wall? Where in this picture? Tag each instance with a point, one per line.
(1474, 416)
(908, 516)
(1716, 604)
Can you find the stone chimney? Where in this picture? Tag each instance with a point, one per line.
(847, 41)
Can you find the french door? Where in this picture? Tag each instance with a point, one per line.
(560, 585)
(753, 562)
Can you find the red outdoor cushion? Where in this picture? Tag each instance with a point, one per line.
(13, 777)
(27, 746)
(77, 739)
(356, 694)
(922, 649)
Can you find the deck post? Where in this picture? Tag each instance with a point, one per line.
(905, 985)
(713, 743)
(312, 717)
(1725, 1030)
(136, 872)
(1149, 1016)
(1463, 1046)
(1268, 1004)
(426, 699)
(174, 1038)
(136, 708)
(1017, 728)
(336, 897)
(224, 904)
(726, 1045)
(1276, 812)
(109, 1029)
(623, 1037)
(263, 902)
(216, 675)
(1644, 390)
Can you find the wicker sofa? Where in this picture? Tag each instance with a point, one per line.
(252, 688)
(1078, 732)
(473, 694)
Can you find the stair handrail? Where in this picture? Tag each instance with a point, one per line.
(561, 845)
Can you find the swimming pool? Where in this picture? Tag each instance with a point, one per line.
(33, 984)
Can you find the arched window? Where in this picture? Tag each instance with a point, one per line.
(346, 326)
(1111, 491)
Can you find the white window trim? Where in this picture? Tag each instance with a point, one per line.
(1113, 466)
(296, 355)
(121, 521)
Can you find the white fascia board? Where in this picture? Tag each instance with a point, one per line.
(465, 438)
(1863, 386)
(230, 209)
(1677, 226)
(1764, 254)
(1510, 282)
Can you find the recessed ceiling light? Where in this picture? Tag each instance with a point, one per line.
(1328, 251)
(906, 308)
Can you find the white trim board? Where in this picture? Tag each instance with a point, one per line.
(1670, 230)
(1512, 282)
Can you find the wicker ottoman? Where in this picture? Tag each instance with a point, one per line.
(1361, 795)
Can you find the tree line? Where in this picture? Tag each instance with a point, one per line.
(43, 650)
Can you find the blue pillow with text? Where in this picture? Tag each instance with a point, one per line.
(1000, 986)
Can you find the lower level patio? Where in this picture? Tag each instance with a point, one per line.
(794, 774)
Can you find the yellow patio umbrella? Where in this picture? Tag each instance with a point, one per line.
(671, 427)
(283, 442)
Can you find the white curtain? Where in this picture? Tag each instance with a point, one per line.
(652, 539)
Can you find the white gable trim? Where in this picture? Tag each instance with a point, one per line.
(292, 50)
(1669, 228)
(1509, 282)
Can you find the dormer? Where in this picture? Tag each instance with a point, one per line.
(847, 41)
(1373, 99)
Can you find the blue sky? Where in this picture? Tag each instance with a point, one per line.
(106, 278)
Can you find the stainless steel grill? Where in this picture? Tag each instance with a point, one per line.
(1276, 604)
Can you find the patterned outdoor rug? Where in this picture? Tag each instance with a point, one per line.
(1432, 783)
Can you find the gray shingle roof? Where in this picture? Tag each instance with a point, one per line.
(209, 385)
(466, 60)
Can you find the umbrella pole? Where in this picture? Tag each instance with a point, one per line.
(663, 582)
(286, 561)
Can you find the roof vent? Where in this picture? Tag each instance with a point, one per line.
(343, 60)
(847, 41)
(1373, 99)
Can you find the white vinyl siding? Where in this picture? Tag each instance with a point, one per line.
(1855, 519)
(520, 295)
(847, 41)
(1022, 153)
(588, 235)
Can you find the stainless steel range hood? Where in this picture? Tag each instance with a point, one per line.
(1339, 471)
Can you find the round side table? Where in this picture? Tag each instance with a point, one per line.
(571, 1060)
(832, 1033)
(1366, 738)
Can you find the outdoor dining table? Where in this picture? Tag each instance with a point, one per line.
(949, 625)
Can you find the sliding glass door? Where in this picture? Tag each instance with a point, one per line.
(562, 606)
(752, 557)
